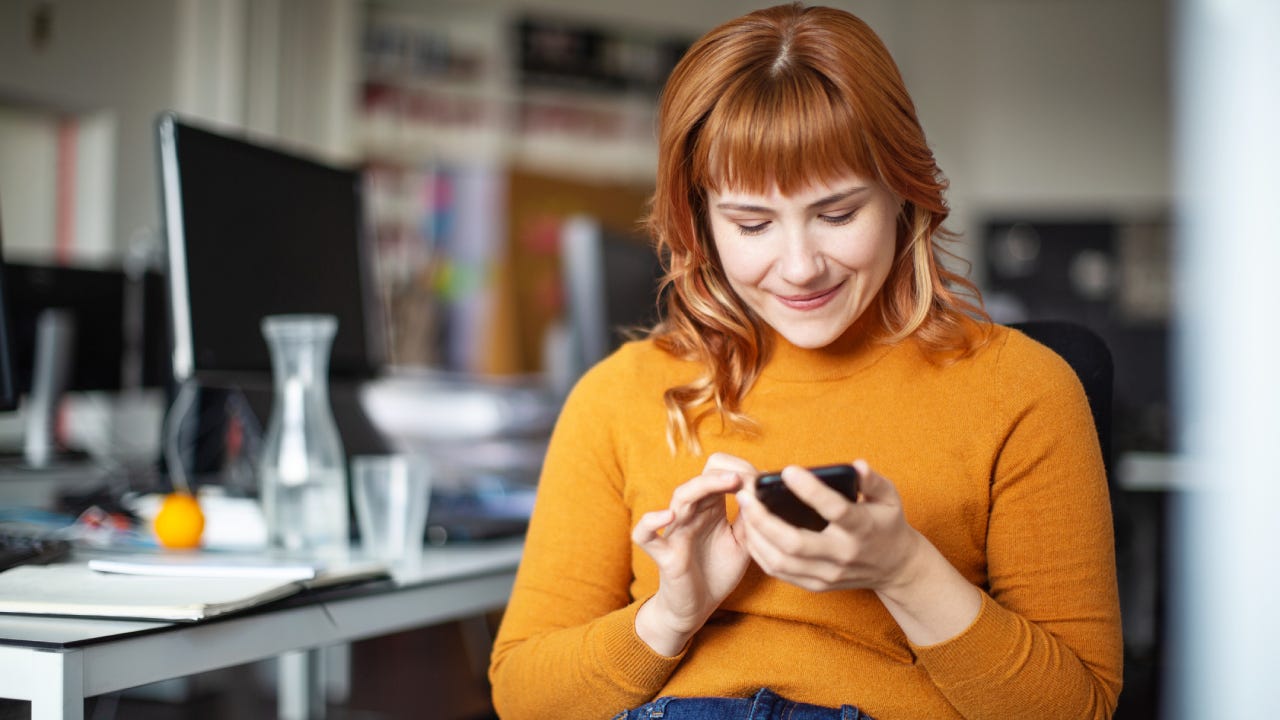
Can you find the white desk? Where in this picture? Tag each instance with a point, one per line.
(1153, 472)
(58, 662)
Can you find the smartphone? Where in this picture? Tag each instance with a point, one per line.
(778, 498)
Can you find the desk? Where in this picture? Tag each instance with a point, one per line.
(58, 662)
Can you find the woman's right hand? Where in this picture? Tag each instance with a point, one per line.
(699, 554)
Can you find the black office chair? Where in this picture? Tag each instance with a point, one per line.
(1090, 357)
(1087, 353)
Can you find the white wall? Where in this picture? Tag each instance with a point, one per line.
(1043, 108)
(28, 158)
(283, 68)
(1071, 103)
(111, 62)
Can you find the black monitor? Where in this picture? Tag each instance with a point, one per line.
(611, 281)
(8, 389)
(252, 231)
(116, 322)
(77, 329)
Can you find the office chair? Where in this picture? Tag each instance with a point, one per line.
(1090, 357)
(1087, 353)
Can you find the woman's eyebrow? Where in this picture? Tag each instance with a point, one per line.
(839, 197)
(743, 207)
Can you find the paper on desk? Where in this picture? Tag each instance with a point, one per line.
(74, 589)
(312, 574)
(204, 566)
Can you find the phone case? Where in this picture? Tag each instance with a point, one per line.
(778, 498)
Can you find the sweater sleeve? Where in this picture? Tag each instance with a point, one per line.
(1047, 640)
(567, 646)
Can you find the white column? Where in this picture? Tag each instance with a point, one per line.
(1225, 631)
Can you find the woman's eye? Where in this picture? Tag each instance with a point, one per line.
(752, 229)
(840, 219)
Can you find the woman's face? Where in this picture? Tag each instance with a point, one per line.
(809, 263)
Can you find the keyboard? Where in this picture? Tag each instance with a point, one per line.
(18, 548)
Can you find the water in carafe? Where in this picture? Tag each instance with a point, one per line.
(303, 468)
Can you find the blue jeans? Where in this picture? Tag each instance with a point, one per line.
(764, 705)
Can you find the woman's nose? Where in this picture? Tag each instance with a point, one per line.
(801, 261)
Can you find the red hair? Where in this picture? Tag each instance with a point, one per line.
(784, 97)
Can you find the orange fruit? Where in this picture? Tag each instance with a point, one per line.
(180, 521)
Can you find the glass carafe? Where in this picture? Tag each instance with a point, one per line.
(303, 478)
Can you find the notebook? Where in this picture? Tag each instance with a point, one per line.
(77, 590)
(157, 591)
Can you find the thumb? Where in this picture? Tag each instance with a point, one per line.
(650, 526)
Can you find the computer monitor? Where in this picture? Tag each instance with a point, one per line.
(611, 282)
(252, 231)
(78, 329)
(108, 350)
(8, 389)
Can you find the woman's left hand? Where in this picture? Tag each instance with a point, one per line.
(867, 544)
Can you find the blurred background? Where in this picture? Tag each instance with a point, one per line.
(481, 128)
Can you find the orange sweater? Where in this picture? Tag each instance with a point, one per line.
(997, 462)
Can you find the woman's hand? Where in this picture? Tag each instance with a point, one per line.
(867, 544)
(699, 554)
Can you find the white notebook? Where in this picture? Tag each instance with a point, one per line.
(74, 589)
(185, 587)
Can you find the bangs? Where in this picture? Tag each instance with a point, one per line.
(788, 128)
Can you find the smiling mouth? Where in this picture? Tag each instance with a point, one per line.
(810, 301)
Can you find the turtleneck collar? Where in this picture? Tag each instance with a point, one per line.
(855, 350)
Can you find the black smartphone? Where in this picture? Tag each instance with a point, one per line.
(778, 498)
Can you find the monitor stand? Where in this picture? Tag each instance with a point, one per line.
(34, 476)
(55, 346)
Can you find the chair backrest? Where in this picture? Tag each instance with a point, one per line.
(1087, 353)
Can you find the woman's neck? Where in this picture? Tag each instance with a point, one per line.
(857, 348)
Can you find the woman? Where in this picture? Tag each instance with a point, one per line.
(809, 320)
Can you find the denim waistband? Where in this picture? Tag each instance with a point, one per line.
(764, 705)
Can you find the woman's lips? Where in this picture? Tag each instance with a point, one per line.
(811, 301)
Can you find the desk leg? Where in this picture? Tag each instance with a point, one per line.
(58, 693)
(337, 673)
(301, 685)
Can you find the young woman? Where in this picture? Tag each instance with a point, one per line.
(809, 320)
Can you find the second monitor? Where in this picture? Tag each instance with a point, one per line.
(254, 231)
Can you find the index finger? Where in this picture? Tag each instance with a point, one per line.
(724, 462)
(709, 487)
